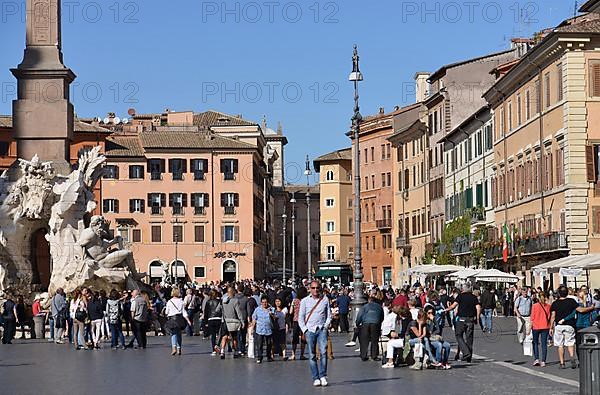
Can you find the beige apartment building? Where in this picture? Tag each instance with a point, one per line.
(546, 110)
(411, 208)
(454, 94)
(190, 191)
(336, 207)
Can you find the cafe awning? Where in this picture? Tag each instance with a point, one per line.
(584, 262)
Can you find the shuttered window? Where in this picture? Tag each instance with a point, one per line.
(156, 234)
(594, 78)
(590, 163)
(559, 87)
(137, 235)
(560, 170)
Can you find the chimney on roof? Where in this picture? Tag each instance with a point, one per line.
(381, 110)
(421, 86)
(522, 45)
(396, 108)
(279, 129)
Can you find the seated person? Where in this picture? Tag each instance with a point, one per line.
(419, 333)
(441, 347)
(396, 333)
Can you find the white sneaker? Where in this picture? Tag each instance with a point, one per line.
(350, 344)
(323, 381)
(357, 350)
(317, 383)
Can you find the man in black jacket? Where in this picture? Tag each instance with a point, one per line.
(488, 304)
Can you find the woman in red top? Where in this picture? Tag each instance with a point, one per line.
(540, 325)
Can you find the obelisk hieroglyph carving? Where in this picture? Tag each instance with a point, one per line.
(42, 113)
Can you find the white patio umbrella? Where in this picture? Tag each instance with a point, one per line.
(462, 274)
(496, 276)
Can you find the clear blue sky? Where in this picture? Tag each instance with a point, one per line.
(184, 55)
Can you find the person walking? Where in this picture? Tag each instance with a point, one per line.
(9, 317)
(191, 303)
(78, 310)
(522, 309)
(468, 313)
(177, 318)
(540, 327)
(562, 325)
(369, 320)
(213, 315)
(59, 314)
(139, 317)
(263, 329)
(343, 302)
(114, 317)
(314, 319)
(488, 305)
(232, 322)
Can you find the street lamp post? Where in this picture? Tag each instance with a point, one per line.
(358, 299)
(293, 202)
(176, 263)
(284, 219)
(309, 257)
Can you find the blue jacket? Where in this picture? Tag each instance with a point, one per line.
(343, 302)
(371, 313)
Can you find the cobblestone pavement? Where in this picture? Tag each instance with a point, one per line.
(37, 367)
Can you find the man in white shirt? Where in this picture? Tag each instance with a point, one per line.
(314, 318)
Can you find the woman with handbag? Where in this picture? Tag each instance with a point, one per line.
(540, 328)
(177, 320)
(212, 316)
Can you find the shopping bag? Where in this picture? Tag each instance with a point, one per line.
(528, 346)
(250, 345)
(418, 350)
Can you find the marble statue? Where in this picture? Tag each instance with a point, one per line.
(98, 248)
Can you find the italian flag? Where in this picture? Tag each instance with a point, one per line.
(505, 243)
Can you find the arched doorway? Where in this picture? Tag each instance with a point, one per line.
(229, 270)
(155, 271)
(40, 259)
(178, 271)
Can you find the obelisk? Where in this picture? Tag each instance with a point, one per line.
(42, 113)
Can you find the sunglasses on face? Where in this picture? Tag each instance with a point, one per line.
(315, 287)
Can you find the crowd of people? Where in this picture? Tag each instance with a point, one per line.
(260, 319)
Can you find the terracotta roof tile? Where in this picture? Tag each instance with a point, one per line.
(119, 146)
(215, 118)
(342, 154)
(592, 26)
(193, 140)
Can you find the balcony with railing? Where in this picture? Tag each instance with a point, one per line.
(156, 176)
(229, 210)
(462, 245)
(199, 210)
(177, 210)
(156, 210)
(199, 175)
(384, 224)
(528, 245)
(228, 176)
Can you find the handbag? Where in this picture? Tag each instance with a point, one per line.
(176, 321)
(80, 315)
(233, 324)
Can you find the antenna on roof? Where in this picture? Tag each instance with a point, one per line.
(575, 11)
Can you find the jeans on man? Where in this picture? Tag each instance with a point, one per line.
(487, 319)
(369, 333)
(316, 339)
(464, 336)
(542, 337)
(116, 334)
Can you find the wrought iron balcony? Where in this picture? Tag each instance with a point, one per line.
(528, 245)
(156, 210)
(199, 175)
(229, 210)
(229, 176)
(156, 175)
(384, 224)
(462, 245)
(402, 242)
(199, 211)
